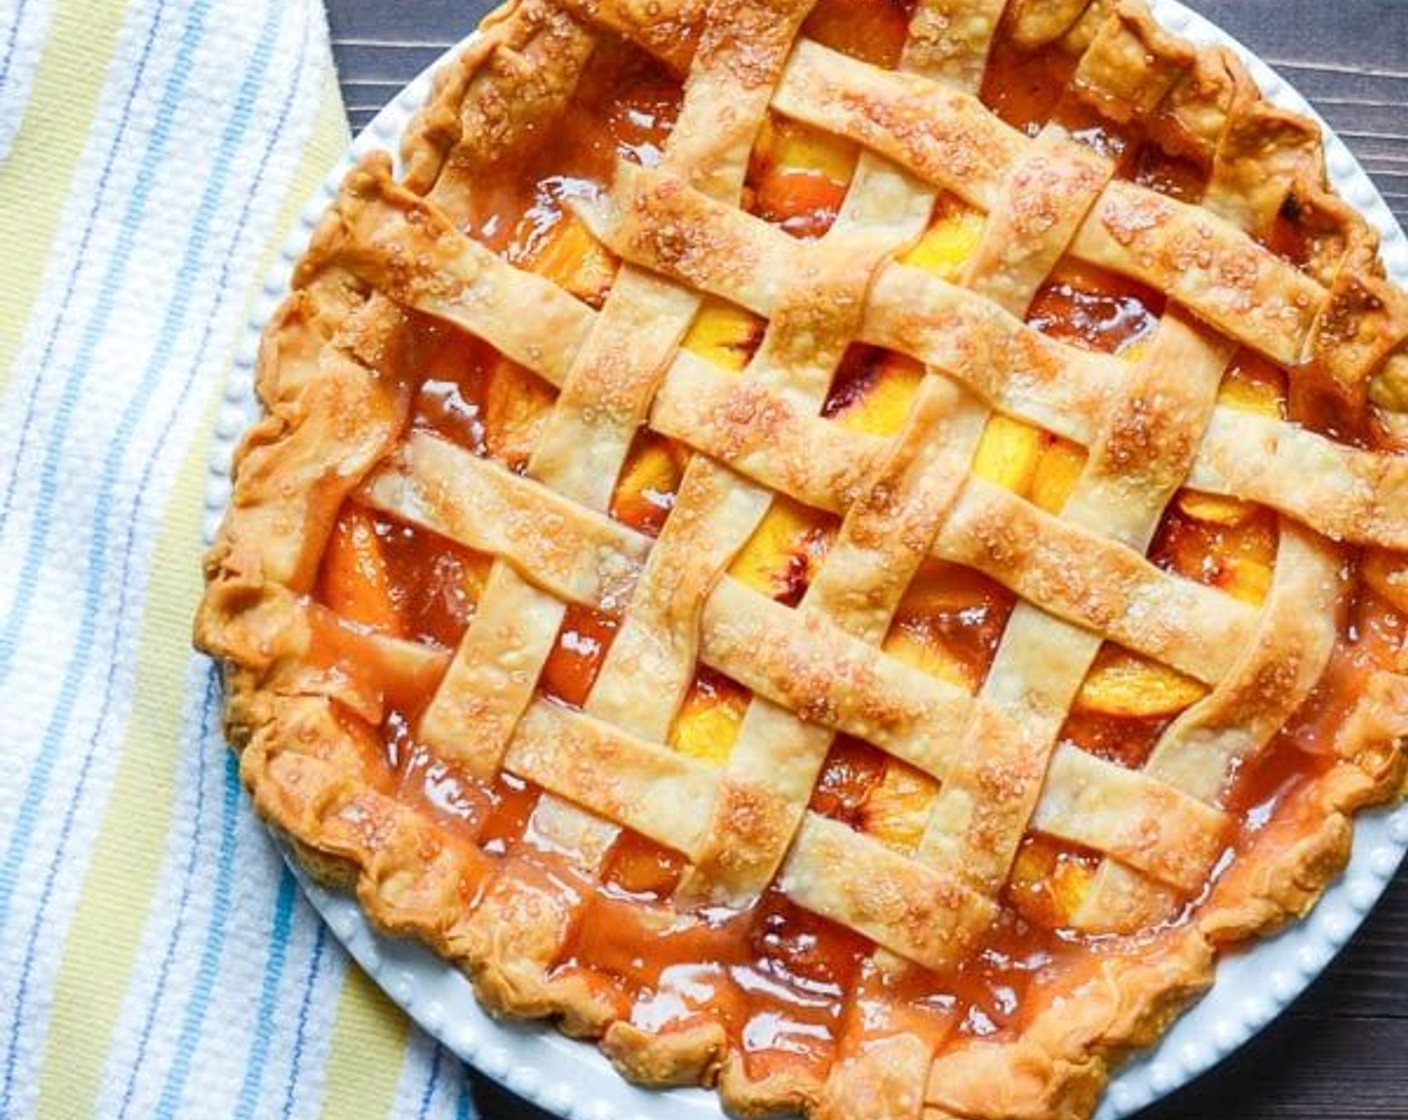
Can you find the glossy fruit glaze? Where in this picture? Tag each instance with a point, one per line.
(793, 989)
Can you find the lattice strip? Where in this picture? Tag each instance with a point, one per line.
(410, 251)
(1046, 197)
(776, 759)
(659, 792)
(1342, 492)
(655, 651)
(1132, 65)
(949, 41)
(862, 692)
(1035, 23)
(481, 704)
(1105, 586)
(922, 913)
(1134, 815)
(567, 549)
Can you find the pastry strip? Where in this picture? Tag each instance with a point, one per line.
(1347, 494)
(915, 911)
(1088, 579)
(565, 548)
(656, 791)
(1130, 814)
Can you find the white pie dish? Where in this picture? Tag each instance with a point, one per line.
(575, 1080)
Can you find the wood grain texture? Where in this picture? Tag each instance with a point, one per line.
(1341, 1053)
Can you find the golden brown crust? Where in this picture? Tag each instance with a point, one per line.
(1057, 1068)
(515, 75)
(685, 1056)
(331, 378)
(883, 1082)
(1287, 871)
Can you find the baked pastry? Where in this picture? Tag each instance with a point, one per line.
(844, 552)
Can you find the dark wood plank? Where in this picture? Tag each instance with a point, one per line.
(1339, 1053)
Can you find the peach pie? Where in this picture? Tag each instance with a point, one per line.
(844, 550)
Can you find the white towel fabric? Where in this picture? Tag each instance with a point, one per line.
(156, 959)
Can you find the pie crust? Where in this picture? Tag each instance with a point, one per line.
(1077, 403)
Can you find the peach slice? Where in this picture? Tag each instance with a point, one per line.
(708, 721)
(1254, 384)
(879, 398)
(516, 405)
(642, 867)
(725, 334)
(572, 258)
(785, 145)
(1214, 508)
(784, 551)
(645, 492)
(799, 176)
(942, 588)
(924, 633)
(1008, 453)
(949, 241)
(916, 646)
(356, 579)
(1057, 472)
(1048, 884)
(1236, 558)
(898, 806)
(1121, 683)
(1246, 573)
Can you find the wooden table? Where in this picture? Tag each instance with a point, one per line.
(1341, 1052)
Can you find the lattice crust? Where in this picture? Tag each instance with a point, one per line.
(336, 380)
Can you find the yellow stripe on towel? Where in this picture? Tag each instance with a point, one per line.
(63, 104)
(121, 882)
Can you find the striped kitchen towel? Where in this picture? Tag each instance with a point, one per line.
(156, 959)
